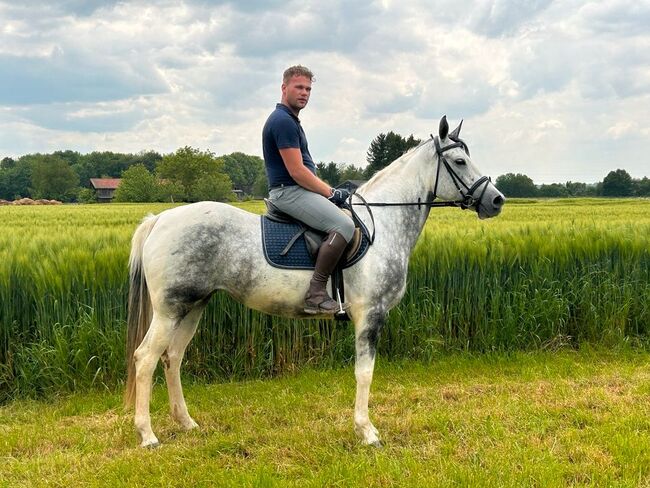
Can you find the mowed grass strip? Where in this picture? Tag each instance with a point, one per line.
(537, 419)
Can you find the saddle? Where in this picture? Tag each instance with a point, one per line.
(290, 244)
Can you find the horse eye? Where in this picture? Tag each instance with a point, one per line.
(460, 161)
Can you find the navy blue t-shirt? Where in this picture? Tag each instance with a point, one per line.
(281, 131)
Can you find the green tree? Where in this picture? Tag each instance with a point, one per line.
(108, 164)
(553, 190)
(618, 184)
(100, 164)
(72, 157)
(187, 167)
(16, 179)
(7, 163)
(86, 195)
(516, 185)
(329, 172)
(53, 178)
(576, 189)
(351, 172)
(261, 187)
(243, 170)
(150, 159)
(214, 187)
(386, 148)
(137, 185)
(642, 187)
(170, 191)
(377, 155)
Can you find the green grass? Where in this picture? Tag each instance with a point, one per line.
(523, 419)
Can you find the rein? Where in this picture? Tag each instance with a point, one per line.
(467, 201)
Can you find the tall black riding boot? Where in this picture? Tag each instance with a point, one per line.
(317, 301)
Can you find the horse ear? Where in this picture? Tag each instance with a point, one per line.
(456, 132)
(443, 130)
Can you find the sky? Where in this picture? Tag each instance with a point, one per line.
(557, 90)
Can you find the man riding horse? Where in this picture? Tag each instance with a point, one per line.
(295, 189)
(182, 256)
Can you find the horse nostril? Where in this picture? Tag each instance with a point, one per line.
(498, 201)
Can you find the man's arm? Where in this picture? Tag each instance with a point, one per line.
(292, 158)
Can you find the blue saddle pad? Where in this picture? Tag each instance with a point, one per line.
(276, 236)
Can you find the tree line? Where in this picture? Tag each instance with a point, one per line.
(617, 183)
(190, 175)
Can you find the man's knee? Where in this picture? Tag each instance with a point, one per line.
(346, 229)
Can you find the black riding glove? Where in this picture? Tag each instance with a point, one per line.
(339, 196)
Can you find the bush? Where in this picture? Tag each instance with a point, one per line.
(86, 195)
(138, 185)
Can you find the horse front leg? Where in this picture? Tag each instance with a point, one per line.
(367, 335)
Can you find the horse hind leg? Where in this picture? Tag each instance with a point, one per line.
(172, 359)
(146, 358)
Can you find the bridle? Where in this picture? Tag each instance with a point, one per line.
(468, 197)
(467, 201)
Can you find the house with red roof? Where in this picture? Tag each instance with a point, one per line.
(105, 188)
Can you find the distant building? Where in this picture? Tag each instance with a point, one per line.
(351, 185)
(105, 188)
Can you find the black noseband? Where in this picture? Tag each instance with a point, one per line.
(468, 199)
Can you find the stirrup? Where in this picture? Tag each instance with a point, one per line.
(318, 309)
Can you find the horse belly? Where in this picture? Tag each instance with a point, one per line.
(276, 292)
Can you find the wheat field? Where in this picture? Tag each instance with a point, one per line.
(544, 274)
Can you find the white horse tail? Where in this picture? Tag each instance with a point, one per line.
(139, 315)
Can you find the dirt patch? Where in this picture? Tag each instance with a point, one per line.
(29, 201)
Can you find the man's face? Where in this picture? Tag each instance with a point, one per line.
(295, 93)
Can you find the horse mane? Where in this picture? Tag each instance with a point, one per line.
(385, 172)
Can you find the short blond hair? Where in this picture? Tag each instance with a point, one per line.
(297, 70)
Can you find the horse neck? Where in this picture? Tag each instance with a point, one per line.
(405, 180)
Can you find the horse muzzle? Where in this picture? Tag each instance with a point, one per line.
(490, 203)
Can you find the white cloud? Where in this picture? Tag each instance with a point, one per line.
(557, 90)
(503, 17)
(550, 124)
(622, 129)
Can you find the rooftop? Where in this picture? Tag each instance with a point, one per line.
(105, 183)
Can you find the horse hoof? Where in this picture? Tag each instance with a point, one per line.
(376, 444)
(190, 426)
(152, 445)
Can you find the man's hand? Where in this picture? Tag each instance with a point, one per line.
(339, 196)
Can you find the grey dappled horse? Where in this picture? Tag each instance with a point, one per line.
(183, 255)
